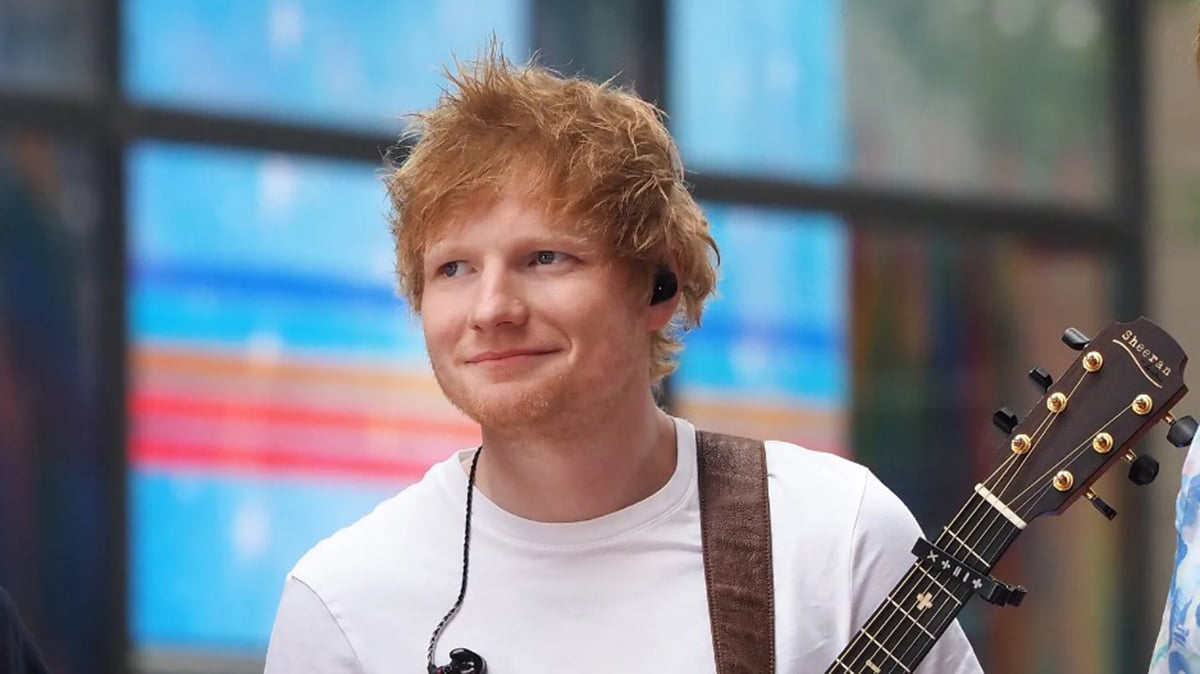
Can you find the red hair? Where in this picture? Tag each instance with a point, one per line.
(589, 153)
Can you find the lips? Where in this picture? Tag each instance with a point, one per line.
(493, 356)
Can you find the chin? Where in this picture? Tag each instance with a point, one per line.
(502, 405)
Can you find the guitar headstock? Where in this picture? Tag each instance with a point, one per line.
(1126, 379)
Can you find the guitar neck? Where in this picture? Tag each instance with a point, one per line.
(925, 602)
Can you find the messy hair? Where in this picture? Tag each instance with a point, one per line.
(593, 154)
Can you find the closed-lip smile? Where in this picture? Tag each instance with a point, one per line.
(502, 355)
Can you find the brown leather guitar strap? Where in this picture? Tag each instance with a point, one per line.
(735, 525)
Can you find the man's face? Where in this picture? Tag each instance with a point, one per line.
(527, 323)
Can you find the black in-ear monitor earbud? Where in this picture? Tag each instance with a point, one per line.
(665, 284)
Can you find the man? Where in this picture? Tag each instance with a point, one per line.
(546, 239)
(18, 652)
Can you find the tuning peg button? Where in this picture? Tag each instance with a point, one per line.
(1108, 511)
(1041, 378)
(1144, 470)
(1183, 430)
(1075, 339)
(1005, 420)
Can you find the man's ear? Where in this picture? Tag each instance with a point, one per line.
(664, 286)
(664, 298)
(660, 314)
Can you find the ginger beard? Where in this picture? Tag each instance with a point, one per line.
(503, 406)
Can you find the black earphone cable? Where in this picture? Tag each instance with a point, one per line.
(462, 590)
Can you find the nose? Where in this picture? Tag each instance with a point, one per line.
(499, 301)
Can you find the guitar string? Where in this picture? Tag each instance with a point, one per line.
(1082, 448)
(1045, 487)
(954, 541)
(1038, 436)
(955, 546)
(867, 654)
(1003, 469)
(990, 538)
(870, 625)
(1017, 506)
(1028, 501)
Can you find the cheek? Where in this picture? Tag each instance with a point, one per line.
(438, 327)
(614, 330)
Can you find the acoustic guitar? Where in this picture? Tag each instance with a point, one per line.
(1125, 380)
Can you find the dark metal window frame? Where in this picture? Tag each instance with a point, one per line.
(107, 123)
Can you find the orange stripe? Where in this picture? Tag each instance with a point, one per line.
(772, 413)
(225, 365)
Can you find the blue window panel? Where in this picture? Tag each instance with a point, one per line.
(758, 87)
(230, 246)
(779, 326)
(350, 64)
(215, 583)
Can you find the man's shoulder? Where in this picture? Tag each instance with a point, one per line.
(802, 468)
(393, 535)
(789, 461)
(815, 495)
(796, 472)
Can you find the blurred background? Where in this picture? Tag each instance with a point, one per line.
(204, 369)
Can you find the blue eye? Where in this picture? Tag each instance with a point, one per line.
(449, 269)
(548, 257)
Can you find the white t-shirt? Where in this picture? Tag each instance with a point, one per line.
(621, 593)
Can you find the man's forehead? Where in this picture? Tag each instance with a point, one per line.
(482, 214)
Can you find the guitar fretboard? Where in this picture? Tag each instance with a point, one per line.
(930, 595)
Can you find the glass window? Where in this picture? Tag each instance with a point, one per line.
(602, 39)
(56, 485)
(279, 388)
(895, 349)
(944, 332)
(1005, 98)
(770, 358)
(350, 64)
(758, 87)
(48, 46)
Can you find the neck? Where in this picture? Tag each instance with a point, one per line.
(581, 470)
(898, 636)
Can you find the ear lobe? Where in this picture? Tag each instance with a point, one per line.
(658, 315)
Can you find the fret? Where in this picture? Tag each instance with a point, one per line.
(1046, 463)
(941, 587)
(886, 652)
(967, 547)
(983, 532)
(931, 594)
(909, 616)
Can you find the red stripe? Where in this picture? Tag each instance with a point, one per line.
(161, 454)
(145, 404)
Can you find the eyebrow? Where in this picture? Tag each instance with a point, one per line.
(450, 247)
